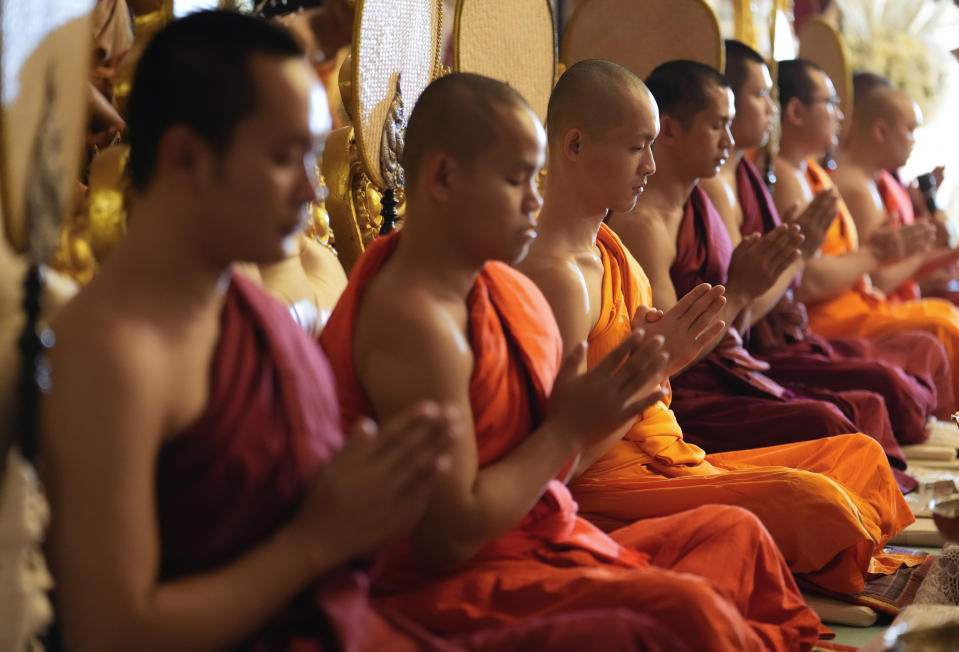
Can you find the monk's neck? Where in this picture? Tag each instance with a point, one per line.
(668, 193)
(160, 258)
(795, 152)
(567, 221)
(728, 170)
(427, 257)
(854, 155)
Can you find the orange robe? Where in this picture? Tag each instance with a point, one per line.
(864, 311)
(831, 504)
(554, 562)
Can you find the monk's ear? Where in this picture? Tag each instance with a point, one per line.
(667, 129)
(792, 112)
(880, 130)
(184, 156)
(572, 144)
(437, 175)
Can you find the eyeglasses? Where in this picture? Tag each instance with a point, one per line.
(833, 101)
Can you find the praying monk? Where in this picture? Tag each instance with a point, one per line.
(203, 496)
(724, 399)
(906, 368)
(827, 517)
(836, 286)
(433, 313)
(880, 139)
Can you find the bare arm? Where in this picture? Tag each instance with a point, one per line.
(100, 439)
(424, 358)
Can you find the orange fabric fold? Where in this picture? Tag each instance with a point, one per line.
(828, 516)
(553, 562)
(863, 311)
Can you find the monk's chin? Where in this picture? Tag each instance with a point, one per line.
(626, 206)
(520, 256)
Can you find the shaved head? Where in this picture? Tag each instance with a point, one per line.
(875, 98)
(459, 114)
(592, 95)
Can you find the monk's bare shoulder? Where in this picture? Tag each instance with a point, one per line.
(410, 346)
(566, 288)
(789, 190)
(861, 196)
(109, 383)
(645, 235)
(726, 201)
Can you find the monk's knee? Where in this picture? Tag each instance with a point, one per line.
(825, 418)
(863, 446)
(730, 517)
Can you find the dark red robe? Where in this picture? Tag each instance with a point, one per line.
(237, 475)
(727, 401)
(909, 369)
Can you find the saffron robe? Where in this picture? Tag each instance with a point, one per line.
(830, 504)
(908, 369)
(239, 472)
(554, 561)
(726, 401)
(864, 311)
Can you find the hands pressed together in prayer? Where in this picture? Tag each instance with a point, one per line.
(687, 327)
(814, 221)
(891, 244)
(759, 261)
(376, 488)
(587, 406)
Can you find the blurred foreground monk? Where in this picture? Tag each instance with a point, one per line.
(602, 122)
(837, 284)
(433, 313)
(723, 397)
(909, 369)
(203, 495)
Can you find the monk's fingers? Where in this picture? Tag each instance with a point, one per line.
(639, 404)
(644, 367)
(572, 364)
(748, 243)
(783, 263)
(708, 315)
(420, 470)
(618, 356)
(711, 331)
(792, 213)
(821, 211)
(427, 432)
(686, 304)
(644, 316)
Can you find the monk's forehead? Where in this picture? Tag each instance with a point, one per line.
(516, 129)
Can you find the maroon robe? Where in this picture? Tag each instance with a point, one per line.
(235, 477)
(726, 401)
(909, 369)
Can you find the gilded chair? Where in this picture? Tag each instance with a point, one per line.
(395, 55)
(642, 35)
